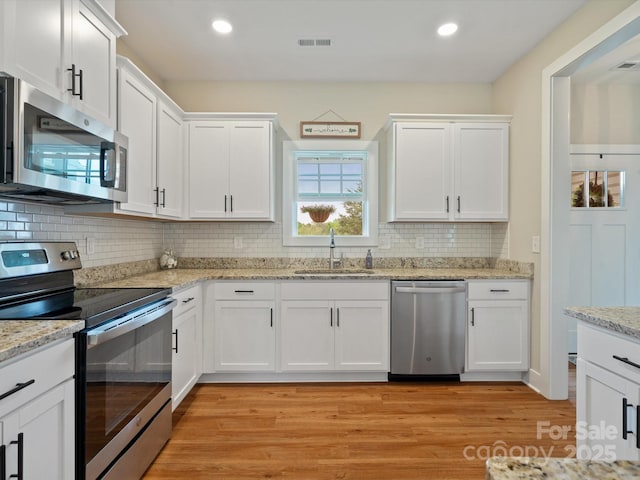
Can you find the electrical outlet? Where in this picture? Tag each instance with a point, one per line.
(237, 242)
(419, 243)
(91, 245)
(535, 244)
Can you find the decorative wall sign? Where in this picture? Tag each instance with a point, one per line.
(330, 129)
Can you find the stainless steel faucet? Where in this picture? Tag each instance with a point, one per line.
(332, 245)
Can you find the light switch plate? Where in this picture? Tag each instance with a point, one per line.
(91, 245)
(535, 244)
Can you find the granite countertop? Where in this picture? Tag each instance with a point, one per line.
(625, 320)
(180, 278)
(21, 336)
(512, 468)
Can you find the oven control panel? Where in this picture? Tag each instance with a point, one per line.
(18, 259)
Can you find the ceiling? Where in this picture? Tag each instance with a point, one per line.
(371, 40)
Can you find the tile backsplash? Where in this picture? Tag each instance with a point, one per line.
(115, 240)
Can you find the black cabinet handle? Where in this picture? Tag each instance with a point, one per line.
(499, 290)
(157, 192)
(164, 197)
(20, 443)
(81, 84)
(473, 317)
(625, 430)
(458, 203)
(225, 203)
(187, 300)
(338, 316)
(638, 426)
(447, 203)
(3, 462)
(627, 361)
(175, 349)
(331, 317)
(231, 203)
(243, 291)
(18, 387)
(73, 81)
(271, 317)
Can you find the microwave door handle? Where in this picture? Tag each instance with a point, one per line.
(107, 172)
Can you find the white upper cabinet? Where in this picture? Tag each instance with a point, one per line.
(448, 168)
(231, 164)
(66, 48)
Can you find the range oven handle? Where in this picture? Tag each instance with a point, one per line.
(129, 322)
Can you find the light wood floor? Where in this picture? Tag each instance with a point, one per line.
(357, 431)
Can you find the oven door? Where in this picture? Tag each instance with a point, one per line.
(124, 381)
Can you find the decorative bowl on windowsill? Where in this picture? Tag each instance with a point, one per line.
(318, 213)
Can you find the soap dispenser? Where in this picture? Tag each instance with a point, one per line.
(368, 261)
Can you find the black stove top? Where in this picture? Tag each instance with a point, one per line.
(93, 305)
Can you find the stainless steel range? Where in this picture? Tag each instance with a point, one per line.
(123, 355)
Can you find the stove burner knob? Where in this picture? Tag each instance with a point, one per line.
(67, 255)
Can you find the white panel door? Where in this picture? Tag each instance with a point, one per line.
(422, 171)
(170, 163)
(137, 120)
(184, 365)
(250, 170)
(362, 335)
(208, 169)
(307, 335)
(604, 253)
(481, 157)
(244, 336)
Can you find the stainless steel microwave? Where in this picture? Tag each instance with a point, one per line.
(52, 153)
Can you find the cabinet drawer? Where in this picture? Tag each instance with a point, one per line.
(244, 291)
(495, 290)
(47, 367)
(187, 299)
(332, 290)
(598, 346)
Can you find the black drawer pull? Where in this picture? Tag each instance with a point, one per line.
(3, 462)
(20, 443)
(243, 291)
(176, 347)
(18, 387)
(499, 290)
(187, 300)
(627, 361)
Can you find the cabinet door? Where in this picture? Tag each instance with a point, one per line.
(421, 173)
(208, 169)
(307, 335)
(362, 335)
(599, 414)
(250, 169)
(184, 368)
(169, 162)
(45, 427)
(137, 120)
(498, 335)
(94, 52)
(245, 337)
(481, 171)
(33, 38)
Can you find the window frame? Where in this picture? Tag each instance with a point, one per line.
(289, 196)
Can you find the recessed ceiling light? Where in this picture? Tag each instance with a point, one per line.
(222, 26)
(447, 29)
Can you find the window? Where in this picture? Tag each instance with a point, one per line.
(597, 188)
(330, 184)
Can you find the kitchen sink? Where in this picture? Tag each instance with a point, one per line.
(334, 272)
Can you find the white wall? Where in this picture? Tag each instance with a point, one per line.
(518, 92)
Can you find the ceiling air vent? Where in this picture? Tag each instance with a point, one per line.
(314, 42)
(630, 65)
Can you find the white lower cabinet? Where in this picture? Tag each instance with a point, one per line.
(187, 343)
(240, 327)
(37, 420)
(329, 326)
(497, 325)
(607, 396)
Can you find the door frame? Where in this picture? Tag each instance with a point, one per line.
(552, 379)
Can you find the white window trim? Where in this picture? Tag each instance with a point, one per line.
(288, 163)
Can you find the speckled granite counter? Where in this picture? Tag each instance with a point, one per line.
(625, 320)
(20, 336)
(181, 278)
(511, 468)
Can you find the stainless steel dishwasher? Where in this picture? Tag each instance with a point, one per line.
(427, 329)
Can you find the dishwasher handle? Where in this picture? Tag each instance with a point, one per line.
(430, 289)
